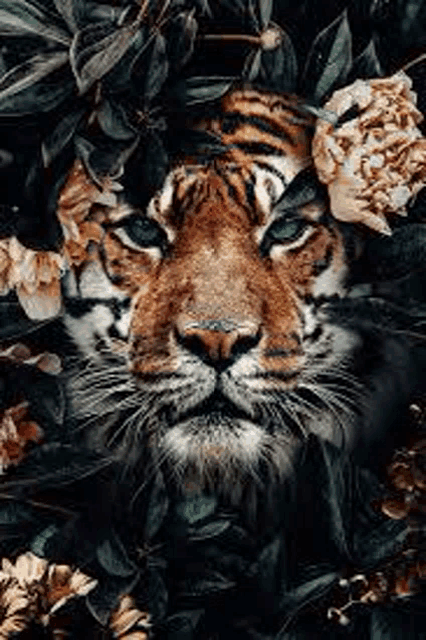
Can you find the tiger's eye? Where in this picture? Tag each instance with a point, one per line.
(143, 231)
(285, 230)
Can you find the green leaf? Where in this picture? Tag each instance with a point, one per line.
(211, 530)
(58, 139)
(367, 64)
(265, 11)
(304, 188)
(24, 88)
(19, 17)
(329, 59)
(183, 624)
(96, 49)
(156, 162)
(157, 592)
(157, 507)
(196, 508)
(113, 558)
(205, 88)
(113, 121)
(251, 67)
(39, 543)
(158, 68)
(308, 591)
(212, 582)
(267, 567)
(182, 38)
(70, 10)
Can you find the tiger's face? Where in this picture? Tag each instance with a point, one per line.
(205, 319)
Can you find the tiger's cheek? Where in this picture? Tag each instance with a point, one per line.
(129, 270)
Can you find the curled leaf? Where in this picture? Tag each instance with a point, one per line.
(205, 88)
(158, 68)
(19, 18)
(57, 140)
(113, 121)
(21, 89)
(97, 48)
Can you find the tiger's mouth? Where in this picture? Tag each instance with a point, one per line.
(217, 409)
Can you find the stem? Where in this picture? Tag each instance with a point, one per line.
(413, 62)
(228, 37)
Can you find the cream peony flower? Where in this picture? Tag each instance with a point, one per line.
(376, 161)
(128, 623)
(33, 590)
(35, 275)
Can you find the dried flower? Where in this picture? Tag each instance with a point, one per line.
(375, 161)
(16, 431)
(35, 275)
(128, 623)
(81, 222)
(32, 590)
(21, 354)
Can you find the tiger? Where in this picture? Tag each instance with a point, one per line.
(219, 326)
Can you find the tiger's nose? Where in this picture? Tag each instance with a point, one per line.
(217, 343)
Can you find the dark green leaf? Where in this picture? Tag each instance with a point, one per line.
(265, 10)
(182, 625)
(196, 507)
(103, 599)
(71, 11)
(158, 68)
(329, 59)
(157, 593)
(367, 64)
(121, 77)
(157, 507)
(97, 48)
(112, 556)
(14, 323)
(20, 18)
(304, 188)
(252, 65)
(211, 530)
(57, 464)
(40, 542)
(15, 84)
(212, 582)
(182, 38)
(113, 121)
(57, 140)
(156, 162)
(204, 88)
(308, 591)
(268, 567)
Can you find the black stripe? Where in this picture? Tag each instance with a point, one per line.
(258, 148)
(270, 167)
(232, 120)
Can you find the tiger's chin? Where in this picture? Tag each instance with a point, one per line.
(216, 452)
